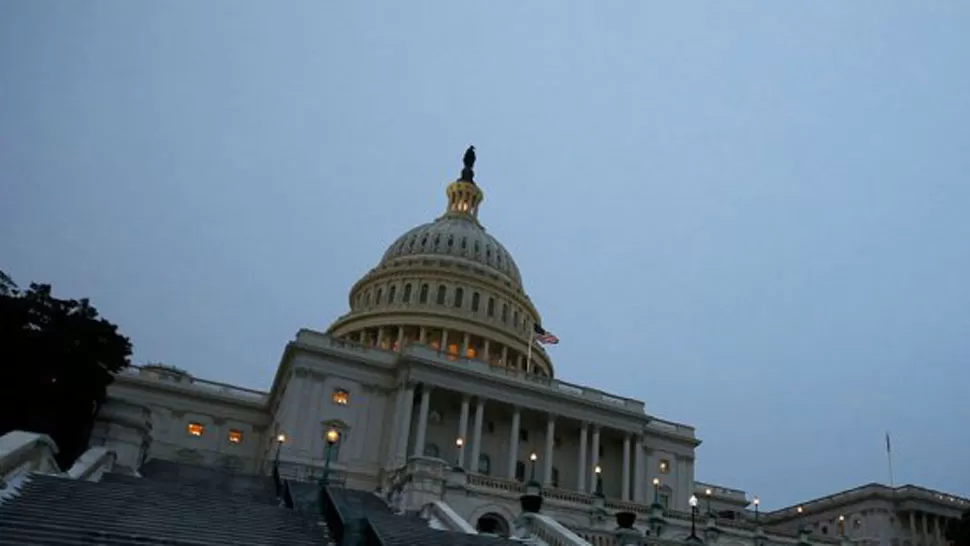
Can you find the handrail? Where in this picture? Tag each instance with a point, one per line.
(554, 533)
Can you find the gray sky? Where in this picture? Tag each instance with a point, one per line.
(750, 215)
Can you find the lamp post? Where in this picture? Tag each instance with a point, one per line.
(460, 444)
(842, 525)
(656, 491)
(599, 480)
(757, 503)
(532, 461)
(332, 436)
(280, 440)
(693, 517)
(707, 494)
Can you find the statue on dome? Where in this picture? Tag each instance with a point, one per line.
(468, 174)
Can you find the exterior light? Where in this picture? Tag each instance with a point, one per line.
(757, 501)
(841, 518)
(459, 442)
(656, 482)
(281, 438)
(332, 436)
(533, 457)
(708, 492)
(692, 501)
(799, 509)
(598, 469)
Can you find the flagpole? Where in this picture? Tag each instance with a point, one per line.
(528, 358)
(889, 456)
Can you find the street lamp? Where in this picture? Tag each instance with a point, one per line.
(460, 444)
(280, 440)
(656, 490)
(842, 524)
(757, 503)
(599, 480)
(707, 494)
(693, 516)
(332, 436)
(532, 461)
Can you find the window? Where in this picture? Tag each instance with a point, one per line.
(377, 299)
(340, 397)
(431, 450)
(459, 295)
(601, 450)
(490, 427)
(557, 442)
(825, 529)
(515, 318)
(484, 464)
(235, 436)
(475, 302)
(391, 293)
(664, 466)
(491, 307)
(505, 312)
(367, 298)
(555, 477)
(523, 435)
(423, 295)
(441, 294)
(195, 429)
(406, 298)
(520, 471)
(664, 497)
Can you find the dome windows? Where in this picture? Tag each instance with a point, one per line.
(459, 296)
(475, 298)
(505, 312)
(423, 294)
(441, 294)
(377, 300)
(406, 297)
(491, 307)
(515, 318)
(391, 293)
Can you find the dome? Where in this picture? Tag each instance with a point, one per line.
(452, 287)
(459, 237)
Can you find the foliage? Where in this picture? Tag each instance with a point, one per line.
(57, 359)
(958, 531)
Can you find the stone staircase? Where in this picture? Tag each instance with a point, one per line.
(172, 504)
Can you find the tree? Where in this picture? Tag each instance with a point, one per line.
(958, 531)
(57, 359)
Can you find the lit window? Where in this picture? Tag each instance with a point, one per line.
(470, 352)
(195, 429)
(453, 348)
(235, 436)
(340, 397)
(664, 466)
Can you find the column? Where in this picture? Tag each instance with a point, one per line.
(518, 362)
(638, 471)
(912, 526)
(926, 527)
(362, 337)
(380, 337)
(505, 356)
(550, 447)
(938, 528)
(594, 459)
(444, 341)
(514, 442)
(463, 430)
(477, 434)
(625, 490)
(407, 407)
(581, 474)
(486, 354)
(400, 339)
(464, 345)
(419, 438)
(423, 335)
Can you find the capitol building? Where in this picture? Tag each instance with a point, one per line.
(434, 392)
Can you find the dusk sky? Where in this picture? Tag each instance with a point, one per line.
(753, 216)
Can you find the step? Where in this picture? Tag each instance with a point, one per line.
(59, 536)
(148, 529)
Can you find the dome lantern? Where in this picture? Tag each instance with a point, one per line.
(464, 196)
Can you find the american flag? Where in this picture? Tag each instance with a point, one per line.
(544, 337)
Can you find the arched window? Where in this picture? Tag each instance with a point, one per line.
(520, 471)
(515, 318)
(431, 450)
(391, 293)
(378, 298)
(423, 295)
(459, 295)
(441, 294)
(484, 464)
(664, 497)
(505, 311)
(491, 307)
(367, 298)
(554, 480)
(406, 297)
(475, 302)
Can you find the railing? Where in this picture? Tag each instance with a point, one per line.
(184, 379)
(423, 352)
(22, 452)
(554, 533)
(717, 490)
